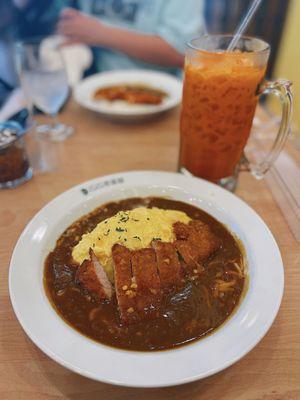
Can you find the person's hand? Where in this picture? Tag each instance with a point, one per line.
(78, 27)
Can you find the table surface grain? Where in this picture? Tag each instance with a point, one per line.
(271, 371)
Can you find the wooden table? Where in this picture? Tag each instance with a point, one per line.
(269, 372)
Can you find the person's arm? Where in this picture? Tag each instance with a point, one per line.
(148, 48)
(180, 23)
(79, 27)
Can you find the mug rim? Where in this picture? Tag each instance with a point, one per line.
(190, 44)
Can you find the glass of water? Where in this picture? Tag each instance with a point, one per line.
(44, 80)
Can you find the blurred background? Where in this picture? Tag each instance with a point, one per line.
(277, 22)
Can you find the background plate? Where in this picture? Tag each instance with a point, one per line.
(120, 110)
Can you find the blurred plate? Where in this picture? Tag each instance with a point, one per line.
(197, 360)
(120, 110)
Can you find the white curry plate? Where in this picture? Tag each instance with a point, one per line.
(120, 110)
(194, 361)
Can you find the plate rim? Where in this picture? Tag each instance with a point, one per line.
(113, 381)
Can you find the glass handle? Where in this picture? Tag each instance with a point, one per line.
(282, 89)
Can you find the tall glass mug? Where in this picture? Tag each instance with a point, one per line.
(220, 94)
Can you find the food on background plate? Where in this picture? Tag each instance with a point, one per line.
(132, 94)
(145, 274)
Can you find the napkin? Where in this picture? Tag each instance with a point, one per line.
(77, 57)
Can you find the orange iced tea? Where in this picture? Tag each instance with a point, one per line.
(219, 99)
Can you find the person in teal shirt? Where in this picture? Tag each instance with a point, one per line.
(135, 33)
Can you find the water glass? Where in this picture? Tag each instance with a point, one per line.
(44, 81)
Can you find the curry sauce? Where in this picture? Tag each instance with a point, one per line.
(186, 314)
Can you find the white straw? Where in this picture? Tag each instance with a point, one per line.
(244, 24)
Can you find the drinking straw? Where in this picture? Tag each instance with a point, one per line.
(244, 24)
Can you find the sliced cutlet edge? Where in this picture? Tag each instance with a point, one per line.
(202, 235)
(144, 268)
(195, 241)
(124, 284)
(181, 230)
(92, 277)
(187, 250)
(169, 267)
(190, 255)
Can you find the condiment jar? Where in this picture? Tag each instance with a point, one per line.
(14, 165)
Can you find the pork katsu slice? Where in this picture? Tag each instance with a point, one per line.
(124, 284)
(195, 242)
(201, 233)
(169, 267)
(181, 230)
(142, 97)
(189, 252)
(131, 94)
(92, 277)
(144, 268)
(110, 93)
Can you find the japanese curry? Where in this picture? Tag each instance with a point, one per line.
(145, 274)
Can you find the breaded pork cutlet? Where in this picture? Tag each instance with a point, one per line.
(201, 233)
(195, 242)
(189, 253)
(169, 267)
(144, 269)
(125, 284)
(137, 283)
(131, 94)
(141, 276)
(92, 276)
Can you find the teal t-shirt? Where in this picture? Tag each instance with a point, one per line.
(176, 21)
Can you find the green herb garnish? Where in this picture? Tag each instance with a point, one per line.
(124, 218)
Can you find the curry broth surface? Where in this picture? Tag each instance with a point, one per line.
(185, 316)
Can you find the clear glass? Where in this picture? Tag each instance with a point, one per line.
(44, 81)
(220, 94)
(44, 153)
